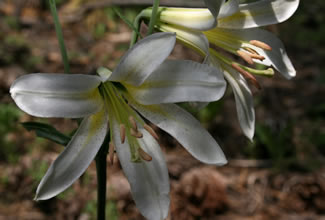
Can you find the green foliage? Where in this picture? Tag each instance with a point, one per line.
(9, 116)
(210, 111)
(47, 131)
(125, 19)
(37, 171)
(12, 22)
(111, 209)
(274, 144)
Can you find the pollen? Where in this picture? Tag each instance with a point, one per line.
(151, 131)
(111, 151)
(247, 75)
(135, 133)
(144, 155)
(133, 123)
(260, 44)
(245, 56)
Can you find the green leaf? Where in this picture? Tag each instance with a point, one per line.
(47, 131)
(129, 23)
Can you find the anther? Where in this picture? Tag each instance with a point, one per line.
(122, 133)
(247, 75)
(111, 152)
(251, 50)
(260, 44)
(245, 56)
(135, 133)
(257, 56)
(133, 123)
(151, 131)
(144, 155)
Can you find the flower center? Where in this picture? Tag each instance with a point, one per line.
(249, 51)
(129, 122)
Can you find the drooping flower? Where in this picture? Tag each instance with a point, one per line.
(143, 83)
(236, 32)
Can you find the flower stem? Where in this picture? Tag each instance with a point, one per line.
(153, 16)
(101, 179)
(135, 34)
(59, 35)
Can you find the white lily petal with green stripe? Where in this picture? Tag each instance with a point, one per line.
(243, 97)
(143, 58)
(149, 180)
(228, 8)
(57, 95)
(277, 57)
(214, 6)
(180, 81)
(185, 129)
(75, 158)
(260, 13)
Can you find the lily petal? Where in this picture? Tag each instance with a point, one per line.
(277, 57)
(191, 38)
(260, 13)
(149, 180)
(57, 95)
(75, 158)
(199, 19)
(180, 81)
(243, 97)
(143, 58)
(186, 129)
(214, 6)
(228, 8)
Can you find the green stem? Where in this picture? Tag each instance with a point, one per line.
(101, 165)
(135, 34)
(59, 35)
(153, 18)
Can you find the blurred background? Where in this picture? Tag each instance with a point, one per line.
(281, 174)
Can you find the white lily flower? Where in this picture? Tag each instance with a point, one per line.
(144, 84)
(236, 33)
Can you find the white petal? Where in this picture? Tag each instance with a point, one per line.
(75, 158)
(191, 38)
(149, 180)
(186, 129)
(214, 6)
(57, 95)
(143, 58)
(277, 57)
(191, 18)
(228, 8)
(244, 100)
(104, 73)
(180, 81)
(260, 13)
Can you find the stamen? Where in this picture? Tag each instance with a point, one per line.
(247, 75)
(122, 133)
(151, 131)
(111, 152)
(133, 122)
(260, 44)
(250, 50)
(135, 133)
(245, 56)
(256, 56)
(144, 155)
